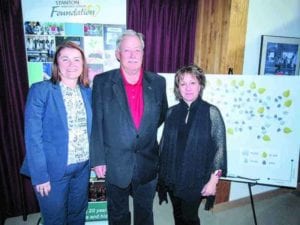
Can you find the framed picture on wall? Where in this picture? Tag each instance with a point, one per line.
(279, 55)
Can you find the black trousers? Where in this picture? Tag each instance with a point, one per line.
(118, 203)
(185, 212)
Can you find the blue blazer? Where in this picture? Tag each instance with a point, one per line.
(46, 131)
(115, 142)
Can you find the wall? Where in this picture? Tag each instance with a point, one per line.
(268, 17)
(220, 35)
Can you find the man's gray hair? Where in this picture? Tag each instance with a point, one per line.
(130, 32)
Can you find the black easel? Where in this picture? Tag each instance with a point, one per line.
(252, 202)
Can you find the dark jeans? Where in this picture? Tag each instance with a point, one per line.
(118, 203)
(184, 212)
(68, 199)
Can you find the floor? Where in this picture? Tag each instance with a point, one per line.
(280, 208)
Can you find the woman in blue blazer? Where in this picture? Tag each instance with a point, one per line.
(57, 130)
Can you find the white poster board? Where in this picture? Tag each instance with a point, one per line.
(262, 118)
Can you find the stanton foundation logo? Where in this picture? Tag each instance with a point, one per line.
(74, 8)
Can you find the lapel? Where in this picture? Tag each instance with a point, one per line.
(60, 106)
(88, 108)
(148, 102)
(119, 91)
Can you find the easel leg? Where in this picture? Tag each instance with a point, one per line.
(24, 217)
(252, 203)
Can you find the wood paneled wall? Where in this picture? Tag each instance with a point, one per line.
(220, 35)
(220, 43)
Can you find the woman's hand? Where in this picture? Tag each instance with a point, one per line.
(44, 189)
(211, 187)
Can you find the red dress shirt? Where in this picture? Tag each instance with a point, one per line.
(135, 100)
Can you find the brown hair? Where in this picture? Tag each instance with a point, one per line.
(83, 78)
(193, 70)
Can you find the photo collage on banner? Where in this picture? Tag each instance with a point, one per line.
(88, 23)
(97, 40)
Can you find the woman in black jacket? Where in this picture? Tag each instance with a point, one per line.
(193, 148)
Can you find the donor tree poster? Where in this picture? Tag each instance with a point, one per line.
(93, 24)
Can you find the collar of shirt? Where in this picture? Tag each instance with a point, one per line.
(66, 88)
(139, 82)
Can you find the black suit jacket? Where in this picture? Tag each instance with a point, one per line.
(115, 142)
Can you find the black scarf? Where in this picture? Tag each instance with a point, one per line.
(198, 152)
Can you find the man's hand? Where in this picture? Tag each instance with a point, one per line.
(100, 171)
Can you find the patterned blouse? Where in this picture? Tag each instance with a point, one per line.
(77, 124)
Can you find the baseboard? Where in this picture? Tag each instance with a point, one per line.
(258, 197)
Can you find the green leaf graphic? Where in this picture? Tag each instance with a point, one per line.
(288, 103)
(261, 90)
(230, 131)
(261, 110)
(286, 93)
(253, 85)
(264, 155)
(266, 138)
(287, 130)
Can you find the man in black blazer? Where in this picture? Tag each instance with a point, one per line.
(129, 105)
